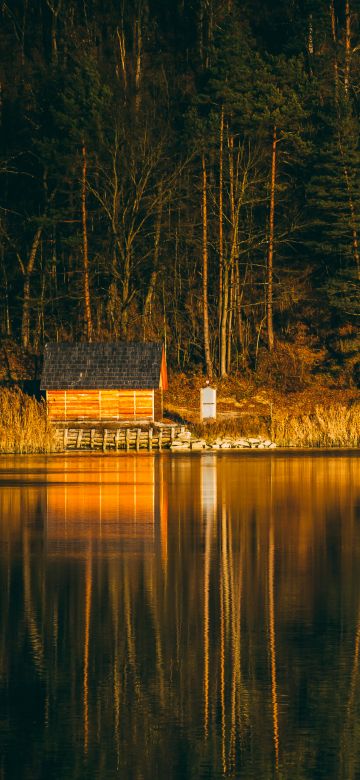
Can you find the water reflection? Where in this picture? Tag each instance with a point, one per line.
(180, 616)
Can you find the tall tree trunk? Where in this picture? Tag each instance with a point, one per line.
(86, 280)
(6, 321)
(334, 39)
(138, 60)
(55, 11)
(223, 277)
(201, 31)
(347, 47)
(125, 292)
(310, 38)
(224, 320)
(54, 47)
(122, 53)
(208, 363)
(155, 270)
(230, 316)
(235, 201)
(270, 255)
(27, 270)
(239, 298)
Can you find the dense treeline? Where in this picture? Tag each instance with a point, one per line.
(186, 170)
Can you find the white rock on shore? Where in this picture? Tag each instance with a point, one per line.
(184, 442)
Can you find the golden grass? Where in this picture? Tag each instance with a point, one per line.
(246, 425)
(334, 425)
(24, 427)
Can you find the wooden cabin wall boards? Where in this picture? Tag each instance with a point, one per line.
(101, 405)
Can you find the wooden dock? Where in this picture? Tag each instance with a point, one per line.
(116, 439)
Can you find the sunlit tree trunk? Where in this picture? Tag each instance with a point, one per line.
(230, 314)
(205, 272)
(6, 321)
(155, 269)
(334, 39)
(55, 9)
(86, 280)
(235, 201)
(122, 54)
(224, 319)
(27, 272)
(347, 47)
(223, 275)
(138, 59)
(238, 303)
(270, 255)
(201, 31)
(125, 294)
(310, 39)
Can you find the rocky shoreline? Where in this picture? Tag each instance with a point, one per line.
(186, 441)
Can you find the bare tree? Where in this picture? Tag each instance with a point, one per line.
(270, 253)
(208, 362)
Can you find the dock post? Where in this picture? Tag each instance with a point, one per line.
(127, 439)
(160, 439)
(150, 442)
(104, 439)
(65, 438)
(138, 439)
(92, 437)
(79, 438)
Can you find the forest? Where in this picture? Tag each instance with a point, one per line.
(185, 171)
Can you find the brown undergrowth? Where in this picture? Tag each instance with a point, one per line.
(317, 416)
(24, 427)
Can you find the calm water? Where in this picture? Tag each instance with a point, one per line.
(180, 617)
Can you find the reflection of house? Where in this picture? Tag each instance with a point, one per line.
(208, 484)
(115, 506)
(104, 382)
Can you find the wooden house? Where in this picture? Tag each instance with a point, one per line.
(105, 382)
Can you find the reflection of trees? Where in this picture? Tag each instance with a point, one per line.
(228, 642)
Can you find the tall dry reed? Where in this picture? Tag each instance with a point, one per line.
(245, 425)
(24, 427)
(335, 425)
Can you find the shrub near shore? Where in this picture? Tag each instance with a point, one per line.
(24, 427)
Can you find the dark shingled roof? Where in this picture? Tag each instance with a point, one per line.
(133, 365)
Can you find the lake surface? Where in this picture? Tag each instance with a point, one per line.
(177, 616)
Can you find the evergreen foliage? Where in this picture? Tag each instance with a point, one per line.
(150, 90)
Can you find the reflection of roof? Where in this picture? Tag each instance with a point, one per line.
(135, 365)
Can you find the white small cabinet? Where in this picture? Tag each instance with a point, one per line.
(208, 403)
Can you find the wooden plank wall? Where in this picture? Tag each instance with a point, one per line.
(100, 404)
